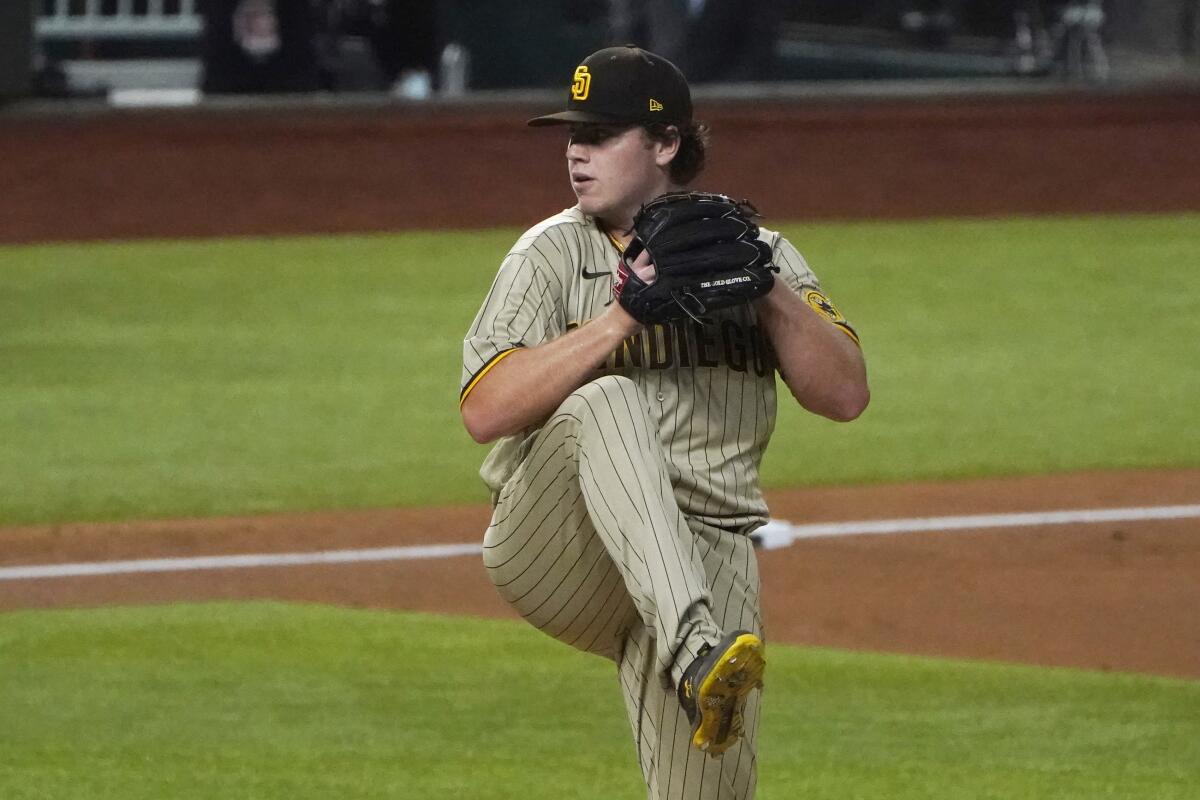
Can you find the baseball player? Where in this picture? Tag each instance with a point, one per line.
(625, 470)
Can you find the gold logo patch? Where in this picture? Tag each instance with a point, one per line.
(655, 105)
(820, 303)
(582, 84)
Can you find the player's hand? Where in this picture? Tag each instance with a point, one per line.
(643, 267)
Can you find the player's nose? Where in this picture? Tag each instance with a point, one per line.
(576, 152)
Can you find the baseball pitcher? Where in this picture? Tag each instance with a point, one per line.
(624, 361)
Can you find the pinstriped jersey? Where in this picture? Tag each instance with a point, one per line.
(711, 387)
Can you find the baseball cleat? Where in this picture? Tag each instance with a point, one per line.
(714, 688)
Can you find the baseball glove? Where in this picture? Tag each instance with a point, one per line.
(706, 255)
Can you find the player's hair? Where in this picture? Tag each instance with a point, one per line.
(693, 148)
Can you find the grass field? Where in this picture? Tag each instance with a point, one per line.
(211, 377)
(164, 379)
(292, 702)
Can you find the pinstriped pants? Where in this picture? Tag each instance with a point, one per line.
(588, 544)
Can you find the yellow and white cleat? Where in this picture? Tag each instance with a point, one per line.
(714, 688)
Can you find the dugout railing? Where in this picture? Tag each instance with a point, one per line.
(93, 45)
(118, 19)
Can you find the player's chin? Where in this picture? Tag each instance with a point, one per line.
(590, 204)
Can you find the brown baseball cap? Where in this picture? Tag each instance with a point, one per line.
(624, 84)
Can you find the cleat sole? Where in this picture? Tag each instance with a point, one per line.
(721, 697)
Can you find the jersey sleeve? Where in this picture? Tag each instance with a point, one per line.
(795, 272)
(520, 310)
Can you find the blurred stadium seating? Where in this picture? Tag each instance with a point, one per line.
(97, 45)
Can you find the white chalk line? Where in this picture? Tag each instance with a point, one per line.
(777, 534)
(774, 535)
(236, 562)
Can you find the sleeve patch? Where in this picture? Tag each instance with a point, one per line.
(820, 303)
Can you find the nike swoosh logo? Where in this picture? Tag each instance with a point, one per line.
(593, 275)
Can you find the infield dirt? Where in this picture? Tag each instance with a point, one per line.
(1114, 596)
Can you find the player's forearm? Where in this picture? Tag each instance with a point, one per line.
(823, 367)
(526, 387)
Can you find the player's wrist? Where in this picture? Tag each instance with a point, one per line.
(620, 322)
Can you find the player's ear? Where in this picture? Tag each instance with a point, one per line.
(667, 146)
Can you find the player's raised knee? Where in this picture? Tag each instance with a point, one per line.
(609, 388)
(608, 392)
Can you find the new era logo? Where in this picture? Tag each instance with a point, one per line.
(655, 105)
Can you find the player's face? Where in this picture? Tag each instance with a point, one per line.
(614, 169)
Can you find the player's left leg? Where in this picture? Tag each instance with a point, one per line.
(587, 537)
(672, 767)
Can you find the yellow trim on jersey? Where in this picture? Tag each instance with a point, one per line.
(462, 398)
(846, 329)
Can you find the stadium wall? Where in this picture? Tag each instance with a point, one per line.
(292, 169)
